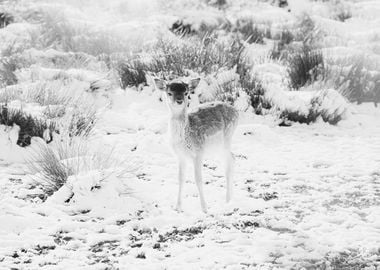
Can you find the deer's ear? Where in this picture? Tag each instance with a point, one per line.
(160, 84)
(194, 83)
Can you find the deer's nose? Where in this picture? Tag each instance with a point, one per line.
(179, 101)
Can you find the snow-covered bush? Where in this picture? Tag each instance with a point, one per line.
(227, 91)
(280, 46)
(80, 121)
(180, 28)
(326, 104)
(330, 105)
(307, 32)
(5, 19)
(59, 33)
(358, 78)
(10, 61)
(303, 35)
(255, 91)
(133, 72)
(203, 22)
(178, 58)
(235, 85)
(30, 126)
(8, 67)
(251, 32)
(305, 67)
(341, 11)
(51, 58)
(203, 56)
(71, 110)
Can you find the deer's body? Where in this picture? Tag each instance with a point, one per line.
(193, 132)
(210, 124)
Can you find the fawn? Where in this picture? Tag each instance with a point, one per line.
(191, 132)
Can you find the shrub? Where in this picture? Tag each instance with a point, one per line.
(79, 120)
(250, 32)
(326, 104)
(357, 78)
(29, 126)
(281, 44)
(329, 105)
(69, 60)
(230, 85)
(217, 3)
(5, 19)
(132, 73)
(307, 32)
(82, 123)
(343, 15)
(204, 56)
(341, 11)
(8, 67)
(11, 60)
(55, 111)
(305, 67)
(304, 37)
(227, 92)
(9, 93)
(255, 90)
(295, 116)
(59, 33)
(179, 58)
(230, 91)
(182, 29)
(253, 87)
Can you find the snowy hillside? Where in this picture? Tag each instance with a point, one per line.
(88, 179)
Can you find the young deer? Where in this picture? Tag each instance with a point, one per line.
(192, 132)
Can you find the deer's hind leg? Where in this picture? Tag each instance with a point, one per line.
(229, 162)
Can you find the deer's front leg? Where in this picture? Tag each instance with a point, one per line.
(198, 181)
(229, 160)
(181, 180)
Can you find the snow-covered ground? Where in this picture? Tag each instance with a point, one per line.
(305, 196)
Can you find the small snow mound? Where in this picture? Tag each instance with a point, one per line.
(94, 190)
(203, 19)
(330, 105)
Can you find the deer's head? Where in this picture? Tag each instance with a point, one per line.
(178, 93)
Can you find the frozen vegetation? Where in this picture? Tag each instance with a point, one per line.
(87, 177)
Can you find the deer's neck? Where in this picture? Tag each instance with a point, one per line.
(177, 124)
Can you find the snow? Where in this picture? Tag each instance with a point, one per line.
(305, 196)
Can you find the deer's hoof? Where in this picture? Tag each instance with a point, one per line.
(178, 208)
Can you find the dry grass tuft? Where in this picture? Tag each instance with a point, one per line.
(306, 67)
(53, 164)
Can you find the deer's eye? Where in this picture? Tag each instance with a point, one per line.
(170, 94)
(192, 92)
